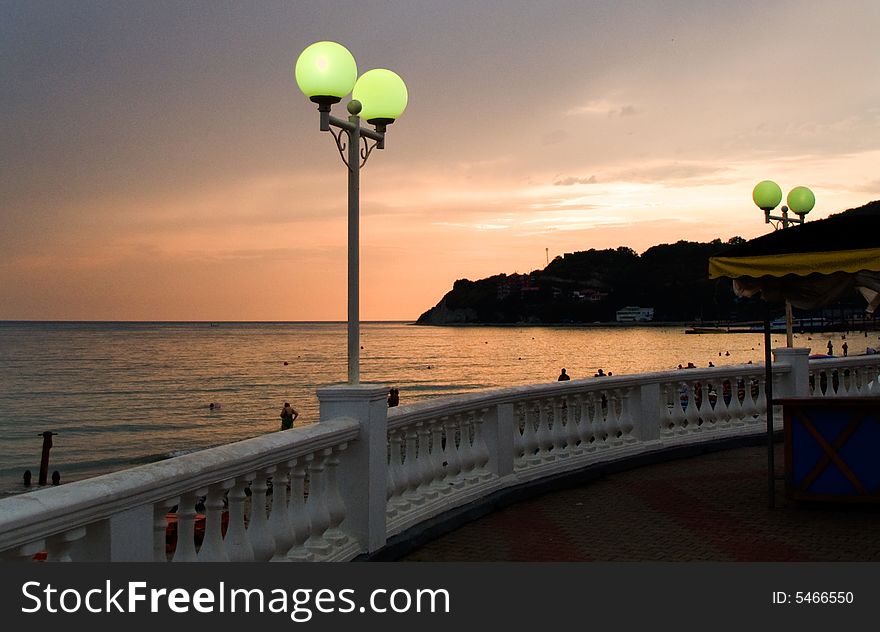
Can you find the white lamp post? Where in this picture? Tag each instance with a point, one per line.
(326, 72)
(801, 200)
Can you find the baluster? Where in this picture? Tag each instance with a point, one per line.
(684, 403)
(856, 382)
(299, 516)
(558, 430)
(735, 409)
(451, 454)
(279, 516)
(426, 474)
(748, 401)
(761, 399)
(598, 402)
(871, 384)
(531, 443)
(847, 382)
(584, 426)
(518, 430)
(212, 549)
(822, 383)
(319, 516)
(396, 476)
(667, 410)
(58, 546)
(411, 468)
(238, 545)
(545, 438)
(571, 436)
(626, 421)
(692, 412)
(481, 450)
(612, 419)
(438, 464)
(160, 530)
(722, 406)
(260, 538)
(466, 448)
(185, 549)
(335, 505)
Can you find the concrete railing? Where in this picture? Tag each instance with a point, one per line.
(366, 473)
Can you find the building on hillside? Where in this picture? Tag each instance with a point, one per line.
(633, 314)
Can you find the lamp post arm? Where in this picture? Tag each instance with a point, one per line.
(350, 127)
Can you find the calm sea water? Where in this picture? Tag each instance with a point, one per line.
(122, 394)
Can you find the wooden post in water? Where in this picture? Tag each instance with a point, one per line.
(44, 461)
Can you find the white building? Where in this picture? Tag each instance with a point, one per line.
(632, 314)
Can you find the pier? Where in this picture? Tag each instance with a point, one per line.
(373, 482)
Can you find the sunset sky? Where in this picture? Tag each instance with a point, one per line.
(158, 162)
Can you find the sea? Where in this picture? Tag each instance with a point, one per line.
(120, 394)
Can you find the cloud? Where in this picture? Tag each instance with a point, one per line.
(604, 108)
(571, 180)
(672, 173)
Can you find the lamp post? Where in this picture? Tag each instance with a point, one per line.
(800, 200)
(767, 195)
(326, 72)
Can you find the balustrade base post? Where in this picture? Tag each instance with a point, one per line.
(796, 383)
(363, 466)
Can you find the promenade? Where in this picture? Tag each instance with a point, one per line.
(711, 507)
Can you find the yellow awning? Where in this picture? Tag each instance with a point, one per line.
(798, 263)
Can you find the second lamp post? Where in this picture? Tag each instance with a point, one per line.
(767, 195)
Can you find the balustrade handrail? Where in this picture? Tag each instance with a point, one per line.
(401, 416)
(844, 362)
(79, 503)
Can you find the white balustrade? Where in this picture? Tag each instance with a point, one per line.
(420, 461)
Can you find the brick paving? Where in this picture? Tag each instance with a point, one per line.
(711, 507)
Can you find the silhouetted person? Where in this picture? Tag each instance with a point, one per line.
(393, 397)
(600, 373)
(830, 348)
(288, 416)
(845, 349)
(563, 376)
(56, 477)
(27, 477)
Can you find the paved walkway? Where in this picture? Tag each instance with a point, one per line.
(712, 507)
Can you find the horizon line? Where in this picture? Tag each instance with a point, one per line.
(338, 322)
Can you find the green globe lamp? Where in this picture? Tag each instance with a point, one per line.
(326, 72)
(383, 96)
(767, 195)
(801, 200)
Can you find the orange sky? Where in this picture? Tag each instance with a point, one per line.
(159, 163)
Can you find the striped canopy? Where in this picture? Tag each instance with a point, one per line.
(811, 264)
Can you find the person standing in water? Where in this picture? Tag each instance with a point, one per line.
(288, 416)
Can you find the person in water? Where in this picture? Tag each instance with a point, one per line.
(288, 416)
(393, 397)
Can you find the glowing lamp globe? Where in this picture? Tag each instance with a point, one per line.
(382, 94)
(801, 200)
(767, 195)
(326, 72)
